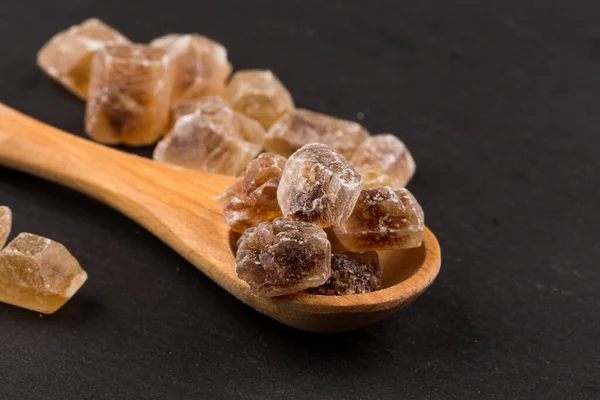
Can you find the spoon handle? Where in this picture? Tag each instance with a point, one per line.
(33, 147)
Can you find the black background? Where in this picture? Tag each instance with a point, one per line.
(498, 101)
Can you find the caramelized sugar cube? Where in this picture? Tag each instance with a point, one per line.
(253, 198)
(318, 185)
(212, 138)
(388, 153)
(300, 127)
(283, 257)
(38, 274)
(351, 273)
(259, 95)
(130, 95)
(67, 56)
(5, 224)
(383, 219)
(200, 64)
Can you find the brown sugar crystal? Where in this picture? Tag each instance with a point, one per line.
(318, 185)
(38, 274)
(200, 64)
(259, 95)
(387, 153)
(351, 273)
(300, 127)
(209, 136)
(129, 95)
(253, 198)
(283, 257)
(5, 224)
(383, 219)
(67, 57)
(375, 176)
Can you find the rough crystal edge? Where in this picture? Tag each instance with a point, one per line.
(291, 212)
(53, 72)
(5, 224)
(75, 284)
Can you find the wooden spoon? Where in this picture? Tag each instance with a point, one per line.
(179, 206)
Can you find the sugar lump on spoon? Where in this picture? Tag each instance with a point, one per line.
(253, 198)
(383, 219)
(375, 177)
(283, 257)
(351, 273)
(318, 185)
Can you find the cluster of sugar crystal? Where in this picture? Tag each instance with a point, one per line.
(36, 273)
(337, 176)
(317, 188)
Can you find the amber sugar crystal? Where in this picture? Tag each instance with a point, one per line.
(351, 273)
(300, 127)
(67, 56)
(209, 136)
(283, 257)
(375, 176)
(129, 95)
(260, 95)
(201, 65)
(5, 224)
(383, 219)
(318, 185)
(253, 198)
(38, 274)
(382, 155)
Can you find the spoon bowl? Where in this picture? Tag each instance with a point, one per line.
(179, 206)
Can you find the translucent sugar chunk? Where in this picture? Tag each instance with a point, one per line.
(283, 257)
(67, 56)
(318, 185)
(383, 219)
(351, 273)
(213, 138)
(388, 153)
(253, 198)
(300, 127)
(201, 65)
(130, 95)
(38, 274)
(375, 176)
(5, 224)
(259, 95)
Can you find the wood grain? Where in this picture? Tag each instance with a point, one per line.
(179, 206)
